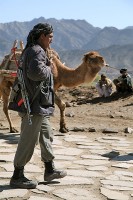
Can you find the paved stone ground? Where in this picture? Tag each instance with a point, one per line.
(98, 167)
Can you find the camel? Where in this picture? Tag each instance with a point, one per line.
(63, 76)
(8, 69)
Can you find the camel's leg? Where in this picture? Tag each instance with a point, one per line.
(62, 107)
(0, 95)
(5, 96)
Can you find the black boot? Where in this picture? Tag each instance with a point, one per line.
(52, 173)
(18, 180)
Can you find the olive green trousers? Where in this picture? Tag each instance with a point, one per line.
(41, 131)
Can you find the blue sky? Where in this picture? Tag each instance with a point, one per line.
(99, 13)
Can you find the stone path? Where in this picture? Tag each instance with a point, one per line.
(99, 168)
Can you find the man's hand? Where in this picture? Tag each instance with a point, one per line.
(52, 67)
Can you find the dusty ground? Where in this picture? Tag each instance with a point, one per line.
(88, 115)
(86, 110)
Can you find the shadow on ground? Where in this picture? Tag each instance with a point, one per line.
(10, 138)
(113, 97)
(127, 157)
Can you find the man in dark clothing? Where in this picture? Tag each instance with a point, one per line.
(37, 72)
(123, 83)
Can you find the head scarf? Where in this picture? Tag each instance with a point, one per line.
(103, 76)
(123, 70)
(37, 30)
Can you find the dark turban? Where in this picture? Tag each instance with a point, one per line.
(103, 76)
(123, 70)
(37, 30)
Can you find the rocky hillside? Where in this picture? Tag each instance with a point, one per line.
(116, 56)
(72, 38)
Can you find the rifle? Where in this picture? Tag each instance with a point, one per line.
(24, 93)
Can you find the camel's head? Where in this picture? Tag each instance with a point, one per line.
(93, 58)
(51, 53)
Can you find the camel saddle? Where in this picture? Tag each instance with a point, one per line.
(9, 65)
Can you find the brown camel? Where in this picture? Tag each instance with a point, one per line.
(63, 76)
(86, 72)
(8, 69)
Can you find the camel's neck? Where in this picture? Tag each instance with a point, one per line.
(67, 76)
(73, 77)
(92, 73)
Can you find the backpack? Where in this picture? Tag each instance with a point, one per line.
(15, 99)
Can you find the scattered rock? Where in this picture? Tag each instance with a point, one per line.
(71, 114)
(128, 130)
(107, 130)
(68, 104)
(111, 116)
(76, 129)
(92, 129)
